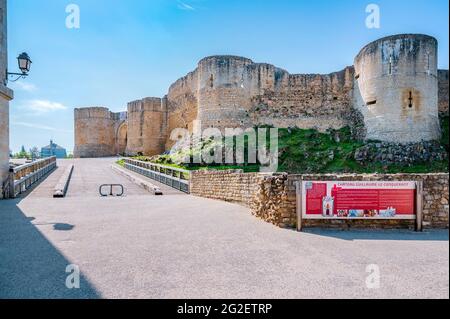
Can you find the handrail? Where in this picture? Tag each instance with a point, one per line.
(24, 176)
(185, 171)
(171, 176)
(17, 169)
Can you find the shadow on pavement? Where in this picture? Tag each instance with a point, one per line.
(30, 266)
(427, 235)
(63, 226)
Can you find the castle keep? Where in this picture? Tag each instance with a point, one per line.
(394, 93)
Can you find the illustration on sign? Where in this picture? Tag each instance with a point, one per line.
(376, 200)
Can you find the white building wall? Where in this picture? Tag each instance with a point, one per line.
(5, 96)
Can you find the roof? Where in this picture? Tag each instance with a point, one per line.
(53, 146)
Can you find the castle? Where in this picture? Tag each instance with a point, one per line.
(393, 93)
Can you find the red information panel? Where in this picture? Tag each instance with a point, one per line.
(376, 200)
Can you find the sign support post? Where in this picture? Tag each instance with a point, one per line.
(299, 193)
(419, 206)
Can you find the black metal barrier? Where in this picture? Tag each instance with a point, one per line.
(111, 187)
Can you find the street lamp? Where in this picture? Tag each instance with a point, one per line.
(24, 62)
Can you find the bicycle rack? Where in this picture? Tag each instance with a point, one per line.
(111, 187)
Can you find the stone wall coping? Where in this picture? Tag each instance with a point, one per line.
(228, 171)
(6, 92)
(443, 174)
(319, 175)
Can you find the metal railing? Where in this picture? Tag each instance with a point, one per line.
(6, 191)
(24, 176)
(170, 176)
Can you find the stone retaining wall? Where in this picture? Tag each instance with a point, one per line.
(272, 197)
(230, 186)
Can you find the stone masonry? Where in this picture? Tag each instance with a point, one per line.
(96, 132)
(229, 185)
(393, 93)
(5, 96)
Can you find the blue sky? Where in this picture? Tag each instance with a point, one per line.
(126, 50)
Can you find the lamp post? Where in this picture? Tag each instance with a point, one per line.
(24, 62)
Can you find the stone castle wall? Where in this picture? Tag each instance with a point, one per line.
(272, 197)
(95, 132)
(182, 105)
(223, 92)
(397, 88)
(394, 93)
(443, 91)
(236, 92)
(302, 100)
(147, 126)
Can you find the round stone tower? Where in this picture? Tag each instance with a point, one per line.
(147, 125)
(223, 93)
(94, 133)
(396, 88)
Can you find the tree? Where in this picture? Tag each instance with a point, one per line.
(35, 153)
(22, 153)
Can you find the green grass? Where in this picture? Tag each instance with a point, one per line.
(121, 162)
(310, 151)
(165, 160)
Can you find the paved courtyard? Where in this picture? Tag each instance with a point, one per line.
(180, 246)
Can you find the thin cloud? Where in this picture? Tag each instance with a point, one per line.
(185, 6)
(23, 86)
(44, 106)
(40, 127)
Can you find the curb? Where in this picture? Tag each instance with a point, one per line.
(63, 183)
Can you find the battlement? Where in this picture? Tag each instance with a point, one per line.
(403, 42)
(223, 60)
(93, 112)
(152, 104)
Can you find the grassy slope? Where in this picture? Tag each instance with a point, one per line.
(308, 151)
